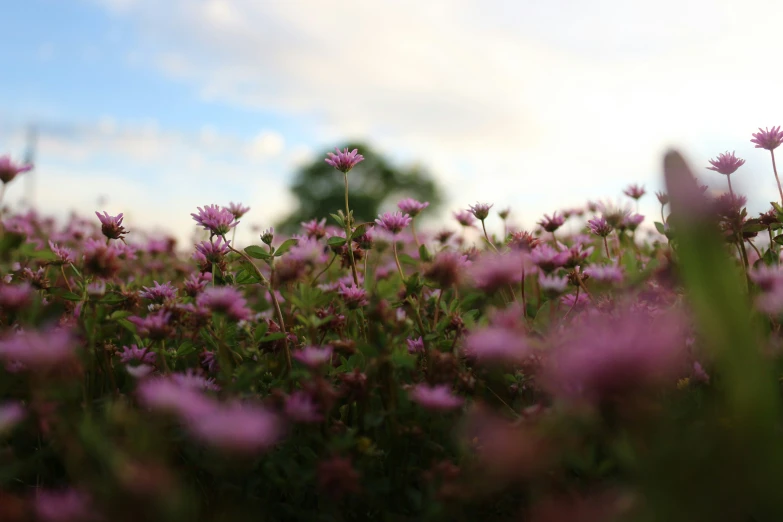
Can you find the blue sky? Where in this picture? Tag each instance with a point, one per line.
(157, 107)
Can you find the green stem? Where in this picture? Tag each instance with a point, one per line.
(348, 233)
(315, 279)
(413, 230)
(775, 170)
(275, 302)
(397, 260)
(486, 236)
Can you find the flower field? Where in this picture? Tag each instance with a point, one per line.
(587, 369)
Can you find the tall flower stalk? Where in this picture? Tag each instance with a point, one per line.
(344, 161)
(770, 139)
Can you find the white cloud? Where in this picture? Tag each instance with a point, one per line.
(538, 105)
(267, 144)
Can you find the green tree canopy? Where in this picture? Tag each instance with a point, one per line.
(373, 183)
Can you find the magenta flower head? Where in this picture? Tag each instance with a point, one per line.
(315, 229)
(68, 505)
(412, 207)
(159, 293)
(415, 345)
(493, 344)
(225, 300)
(9, 170)
(300, 407)
(448, 268)
(635, 191)
(393, 222)
(605, 273)
(436, 398)
(314, 356)
(111, 226)
(38, 350)
(547, 258)
(237, 428)
(11, 414)
(155, 326)
(663, 197)
(600, 227)
(481, 210)
(492, 272)
(216, 219)
(769, 139)
(237, 210)
(353, 296)
(165, 395)
(609, 357)
(726, 163)
(552, 284)
(64, 255)
(551, 224)
(133, 353)
(465, 218)
(344, 161)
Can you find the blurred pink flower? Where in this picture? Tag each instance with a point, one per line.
(9, 170)
(412, 207)
(726, 163)
(437, 398)
(314, 356)
(769, 139)
(496, 344)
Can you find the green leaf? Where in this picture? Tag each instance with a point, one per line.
(120, 314)
(779, 240)
(339, 219)
(11, 241)
(286, 246)
(65, 294)
(186, 348)
(245, 277)
(424, 254)
(360, 228)
(112, 299)
(257, 252)
(336, 241)
(660, 227)
(405, 259)
(273, 337)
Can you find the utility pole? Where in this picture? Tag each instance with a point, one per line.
(30, 157)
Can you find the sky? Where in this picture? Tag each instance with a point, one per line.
(153, 108)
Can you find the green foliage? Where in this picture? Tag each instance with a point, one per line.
(319, 189)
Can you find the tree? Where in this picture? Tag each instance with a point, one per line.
(373, 183)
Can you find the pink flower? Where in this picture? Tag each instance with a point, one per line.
(605, 273)
(393, 222)
(632, 221)
(155, 325)
(196, 283)
(769, 139)
(547, 258)
(9, 170)
(437, 398)
(236, 427)
(219, 221)
(167, 396)
(15, 297)
(699, 374)
(68, 505)
(194, 381)
(225, 300)
(551, 224)
(38, 349)
(315, 229)
(134, 353)
(491, 272)
(448, 268)
(344, 161)
(353, 296)
(552, 284)
(415, 345)
(300, 407)
(610, 356)
(663, 198)
(726, 163)
(481, 210)
(237, 210)
(111, 226)
(159, 293)
(635, 191)
(600, 227)
(11, 414)
(464, 218)
(412, 207)
(64, 255)
(314, 356)
(496, 344)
